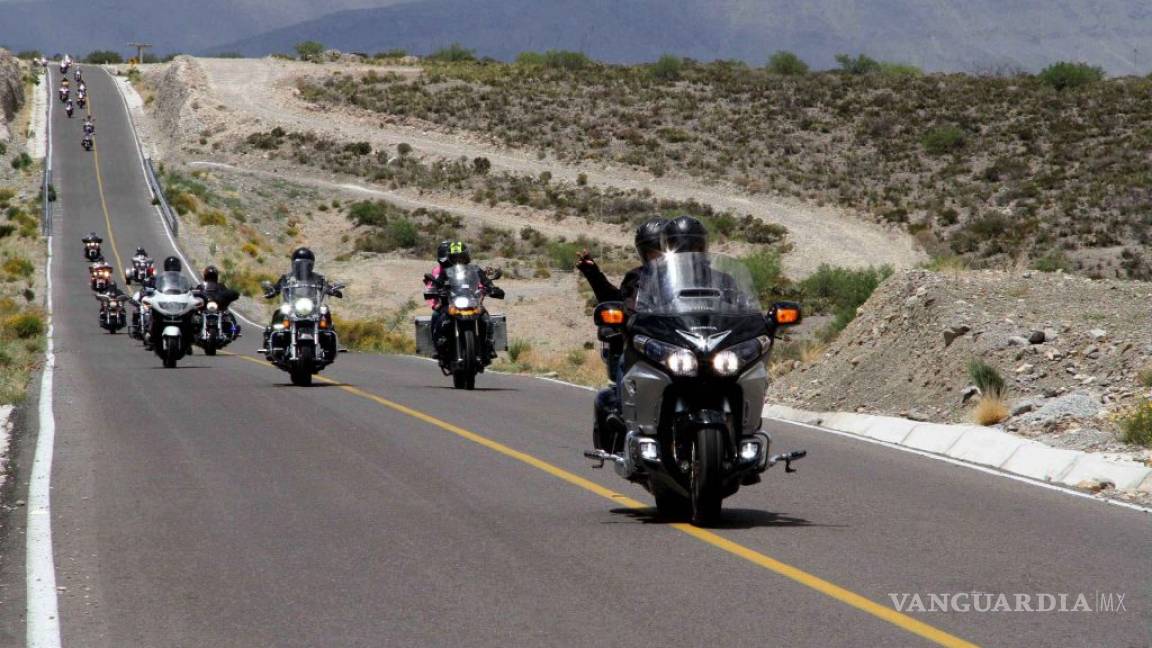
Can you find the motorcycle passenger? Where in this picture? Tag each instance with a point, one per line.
(649, 243)
(458, 254)
(443, 251)
(171, 264)
(212, 289)
(303, 262)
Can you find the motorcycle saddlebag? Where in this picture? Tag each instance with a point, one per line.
(424, 344)
(499, 332)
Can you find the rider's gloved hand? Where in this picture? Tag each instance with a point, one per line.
(496, 293)
(585, 260)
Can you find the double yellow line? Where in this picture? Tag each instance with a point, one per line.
(902, 621)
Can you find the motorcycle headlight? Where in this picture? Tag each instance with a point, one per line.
(461, 302)
(304, 306)
(680, 361)
(729, 361)
(286, 309)
(725, 363)
(212, 307)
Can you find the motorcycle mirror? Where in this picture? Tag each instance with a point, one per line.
(785, 314)
(266, 285)
(610, 315)
(495, 273)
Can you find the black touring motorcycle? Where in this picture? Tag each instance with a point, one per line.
(693, 384)
(471, 336)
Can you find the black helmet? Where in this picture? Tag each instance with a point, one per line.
(140, 252)
(442, 252)
(303, 253)
(649, 236)
(685, 234)
(211, 274)
(171, 264)
(458, 253)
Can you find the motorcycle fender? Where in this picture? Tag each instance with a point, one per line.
(171, 331)
(754, 384)
(642, 395)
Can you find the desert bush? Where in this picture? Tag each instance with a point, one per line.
(860, 65)
(18, 267)
(104, 57)
(943, 139)
(517, 348)
(767, 273)
(453, 53)
(214, 218)
(1136, 424)
(22, 161)
(309, 50)
(989, 410)
(24, 325)
(787, 64)
(666, 68)
(373, 335)
(986, 378)
(840, 291)
(1064, 75)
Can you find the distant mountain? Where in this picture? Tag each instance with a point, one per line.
(934, 34)
(79, 26)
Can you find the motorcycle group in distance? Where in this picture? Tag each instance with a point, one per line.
(171, 314)
(81, 102)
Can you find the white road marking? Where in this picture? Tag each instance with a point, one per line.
(43, 618)
(965, 464)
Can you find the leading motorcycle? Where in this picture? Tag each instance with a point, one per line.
(101, 275)
(689, 425)
(470, 336)
(302, 340)
(172, 304)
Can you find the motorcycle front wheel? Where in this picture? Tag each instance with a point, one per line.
(465, 376)
(707, 475)
(301, 372)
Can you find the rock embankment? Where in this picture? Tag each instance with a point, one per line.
(11, 91)
(1072, 351)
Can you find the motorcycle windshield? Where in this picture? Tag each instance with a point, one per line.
(173, 283)
(302, 298)
(463, 285)
(696, 284)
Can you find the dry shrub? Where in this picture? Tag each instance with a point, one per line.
(989, 410)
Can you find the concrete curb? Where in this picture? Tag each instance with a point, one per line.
(978, 445)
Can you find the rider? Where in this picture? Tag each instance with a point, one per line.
(92, 238)
(69, 107)
(458, 254)
(212, 289)
(111, 292)
(303, 261)
(649, 243)
(89, 127)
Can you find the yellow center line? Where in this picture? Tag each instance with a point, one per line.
(103, 202)
(796, 574)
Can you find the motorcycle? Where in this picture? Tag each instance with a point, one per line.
(79, 76)
(86, 142)
(82, 101)
(471, 337)
(63, 95)
(303, 341)
(172, 304)
(112, 315)
(92, 251)
(688, 427)
(69, 109)
(101, 274)
(141, 272)
(215, 328)
(140, 328)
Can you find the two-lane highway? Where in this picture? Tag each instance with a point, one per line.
(216, 505)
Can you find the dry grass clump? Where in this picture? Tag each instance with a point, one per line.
(989, 410)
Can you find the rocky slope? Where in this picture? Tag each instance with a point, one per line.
(1070, 349)
(11, 91)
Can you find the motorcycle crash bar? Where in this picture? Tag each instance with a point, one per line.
(787, 458)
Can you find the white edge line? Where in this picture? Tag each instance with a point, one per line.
(43, 618)
(965, 464)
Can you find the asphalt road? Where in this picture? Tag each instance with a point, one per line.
(216, 505)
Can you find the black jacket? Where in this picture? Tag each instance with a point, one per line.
(605, 291)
